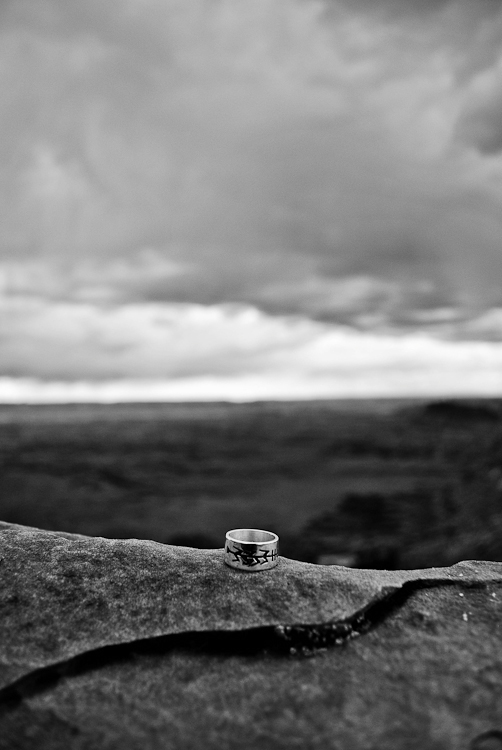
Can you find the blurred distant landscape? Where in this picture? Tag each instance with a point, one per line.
(371, 483)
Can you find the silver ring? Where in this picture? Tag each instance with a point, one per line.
(251, 550)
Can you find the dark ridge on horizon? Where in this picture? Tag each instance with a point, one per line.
(188, 410)
(356, 404)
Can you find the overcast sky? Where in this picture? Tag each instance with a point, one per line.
(250, 199)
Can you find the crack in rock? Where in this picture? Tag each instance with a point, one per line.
(307, 639)
(281, 640)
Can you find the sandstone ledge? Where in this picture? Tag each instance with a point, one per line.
(133, 644)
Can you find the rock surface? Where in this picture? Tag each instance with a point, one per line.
(132, 644)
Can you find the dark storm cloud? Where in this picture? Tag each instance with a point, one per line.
(481, 125)
(420, 8)
(325, 164)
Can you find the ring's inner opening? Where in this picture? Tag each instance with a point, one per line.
(252, 535)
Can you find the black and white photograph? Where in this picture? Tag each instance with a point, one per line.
(251, 374)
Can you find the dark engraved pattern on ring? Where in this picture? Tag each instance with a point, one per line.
(251, 555)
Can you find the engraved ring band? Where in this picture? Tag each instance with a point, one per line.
(251, 550)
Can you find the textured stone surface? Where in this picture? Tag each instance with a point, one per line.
(427, 674)
(426, 678)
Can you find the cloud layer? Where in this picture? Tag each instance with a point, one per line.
(329, 162)
(154, 351)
